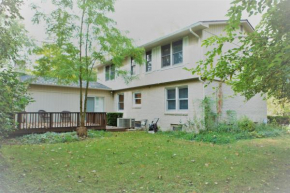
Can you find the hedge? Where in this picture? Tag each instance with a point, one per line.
(112, 118)
(281, 120)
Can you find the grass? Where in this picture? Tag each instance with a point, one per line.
(141, 162)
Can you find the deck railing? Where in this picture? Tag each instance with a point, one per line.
(57, 121)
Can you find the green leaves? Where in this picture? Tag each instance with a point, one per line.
(13, 98)
(81, 35)
(260, 63)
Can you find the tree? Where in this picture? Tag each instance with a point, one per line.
(14, 40)
(261, 64)
(13, 98)
(81, 35)
(13, 92)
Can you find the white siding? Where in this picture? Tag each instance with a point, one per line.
(57, 99)
(255, 108)
(191, 54)
(154, 101)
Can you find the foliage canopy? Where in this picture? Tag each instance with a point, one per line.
(80, 36)
(261, 64)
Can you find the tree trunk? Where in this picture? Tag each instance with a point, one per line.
(81, 130)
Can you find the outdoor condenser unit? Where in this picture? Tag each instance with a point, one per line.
(126, 122)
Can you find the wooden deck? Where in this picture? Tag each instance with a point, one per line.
(35, 122)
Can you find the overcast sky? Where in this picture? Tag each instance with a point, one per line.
(149, 19)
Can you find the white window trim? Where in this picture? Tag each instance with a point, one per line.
(147, 72)
(171, 55)
(134, 104)
(177, 109)
(110, 71)
(120, 110)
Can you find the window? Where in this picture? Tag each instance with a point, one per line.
(171, 99)
(165, 54)
(148, 61)
(121, 102)
(177, 52)
(133, 67)
(137, 99)
(107, 73)
(110, 72)
(177, 98)
(183, 98)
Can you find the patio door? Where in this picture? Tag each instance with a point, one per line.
(90, 104)
(99, 104)
(95, 104)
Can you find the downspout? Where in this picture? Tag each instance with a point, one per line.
(200, 57)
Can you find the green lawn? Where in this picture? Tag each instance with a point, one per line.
(141, 162)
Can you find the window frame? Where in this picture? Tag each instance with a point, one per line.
(177, 99)
(111, 74)
(118, 102)
(146, 66)
(134, 99)
(163, 56)
(172, 54)
(133, 66)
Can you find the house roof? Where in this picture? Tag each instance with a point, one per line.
(53, 82)
(185, 31)
(194, 27)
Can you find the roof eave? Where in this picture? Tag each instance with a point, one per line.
(53, 85)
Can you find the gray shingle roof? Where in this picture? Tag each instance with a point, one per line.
(54, 82)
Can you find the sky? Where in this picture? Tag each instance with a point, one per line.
(146, 20)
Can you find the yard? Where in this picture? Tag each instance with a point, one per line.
(141, 162)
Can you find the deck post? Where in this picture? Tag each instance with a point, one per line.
(105, 119)
(50, 120)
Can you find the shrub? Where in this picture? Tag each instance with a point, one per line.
(51, 137)
(112, 118)
(281, 120)
(13, 98)
(245, 124)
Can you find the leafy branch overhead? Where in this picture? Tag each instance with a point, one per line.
(258, 62)
(80, 35)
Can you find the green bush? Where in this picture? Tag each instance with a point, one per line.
(112, 118)
(13, 98)
(245, 124)
(229, 133)
(51, 137)
(281, 120)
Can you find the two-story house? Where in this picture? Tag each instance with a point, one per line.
(162, 89)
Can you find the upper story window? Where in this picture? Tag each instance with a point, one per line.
(110, 72)
(177, 53)
(148, 61)
(133, 67)
(137, 99)
(177, 98)
(165, 55)
(120, 102)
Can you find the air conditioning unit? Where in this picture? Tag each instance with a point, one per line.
(126, 122)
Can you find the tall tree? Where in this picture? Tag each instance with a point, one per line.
(81, 35)
(261, 64)
(14, 40)
(14, 43)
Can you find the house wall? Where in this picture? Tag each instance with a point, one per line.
(191, 54)
(255, 108)
(154, 104)
(57, 99)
